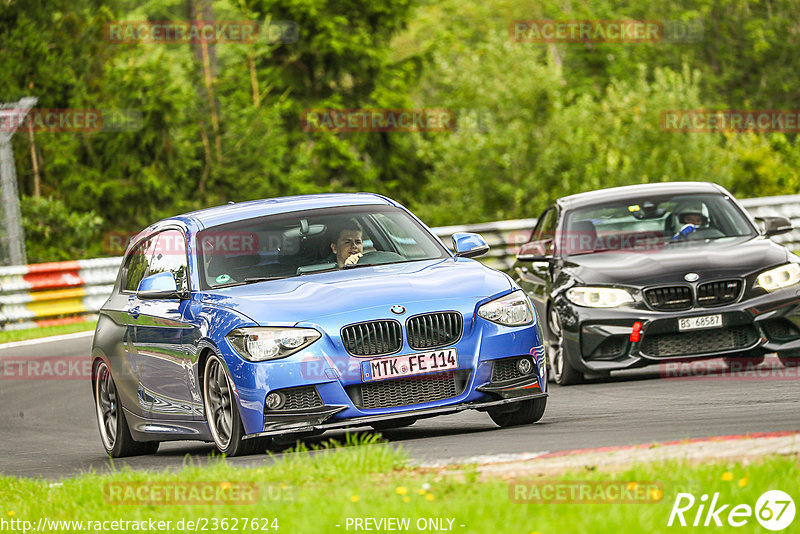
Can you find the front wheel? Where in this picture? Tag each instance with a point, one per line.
(222, 414)
(114, 431)
(560, 370)
(790, 358)
(529, 412)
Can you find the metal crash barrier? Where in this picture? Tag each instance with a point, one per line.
(46, 294)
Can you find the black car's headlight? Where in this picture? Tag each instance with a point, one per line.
(514, 309)
(599, 297)
(259, 344)
(779, 277)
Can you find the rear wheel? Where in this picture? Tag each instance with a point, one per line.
(745, 360)
(222, 414)
(528, 412)
(114, 431)
(560, 370)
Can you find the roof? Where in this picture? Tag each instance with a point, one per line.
(271, 206)
(636, 192)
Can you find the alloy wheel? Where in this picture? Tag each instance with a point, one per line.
(107, 404)
(217, 393)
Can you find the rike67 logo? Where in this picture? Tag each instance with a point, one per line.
(774, 510)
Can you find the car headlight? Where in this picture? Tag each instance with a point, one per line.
(779, 277)
(514, 309)
(599, 297)
(258, 344)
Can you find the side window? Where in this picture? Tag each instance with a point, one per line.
(549, 226)
(169, 255)
(136, 264)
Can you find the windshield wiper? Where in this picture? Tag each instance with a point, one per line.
(249, 281)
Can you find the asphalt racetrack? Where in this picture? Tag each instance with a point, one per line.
(48, 427)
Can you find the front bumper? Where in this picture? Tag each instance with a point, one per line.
(599, 340)
(335, 395)
(318, 420)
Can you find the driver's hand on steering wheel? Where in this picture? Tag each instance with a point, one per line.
(353, 259)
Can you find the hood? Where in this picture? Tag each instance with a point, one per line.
(310, 297)
(735, 257)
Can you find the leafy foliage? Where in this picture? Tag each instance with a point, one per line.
(535, 121)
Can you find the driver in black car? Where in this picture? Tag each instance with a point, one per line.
(695, 215)
(346, 243)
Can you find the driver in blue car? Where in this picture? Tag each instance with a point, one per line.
(346, 244)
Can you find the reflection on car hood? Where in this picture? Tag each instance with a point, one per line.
(309, 297)
(714, 259)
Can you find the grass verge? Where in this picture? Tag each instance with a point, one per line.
(7, 336)
(317, 491)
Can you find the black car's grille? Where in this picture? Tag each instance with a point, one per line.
(373, 338)
(719, 292)
(669, 298)
(300, 398)
(505, 369)
(699, 342)
(434, 330)
(406, 391)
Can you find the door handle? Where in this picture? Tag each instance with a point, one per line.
(134, 312)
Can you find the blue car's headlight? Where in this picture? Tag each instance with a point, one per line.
(779, 277)
(514, 309)
(258, 344)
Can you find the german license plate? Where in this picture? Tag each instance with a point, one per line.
(704, 321)
(409, 364)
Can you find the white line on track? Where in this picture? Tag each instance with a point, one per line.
(41, 340)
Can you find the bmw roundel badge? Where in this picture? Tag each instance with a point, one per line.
(691, 277)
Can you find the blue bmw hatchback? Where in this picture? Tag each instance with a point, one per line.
(296, 315)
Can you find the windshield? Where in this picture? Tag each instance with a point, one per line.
(312, 241)
(652, 223)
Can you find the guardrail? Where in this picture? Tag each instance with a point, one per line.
(72, 291)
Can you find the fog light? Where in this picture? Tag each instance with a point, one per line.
(524, 366)
(275, 401)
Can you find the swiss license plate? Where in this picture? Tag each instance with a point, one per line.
(409, 364)
(704, 321)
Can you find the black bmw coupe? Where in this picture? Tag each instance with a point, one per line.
(645, 274)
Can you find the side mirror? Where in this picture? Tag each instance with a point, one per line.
(535, 251)
(158, 286)
(469, 245)
(775, 225)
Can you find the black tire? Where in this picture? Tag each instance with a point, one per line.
(560, 370)
(393, 423)
(222, 413)
(745, 360)
(115, 435)
(790, 358)
(527, 413)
